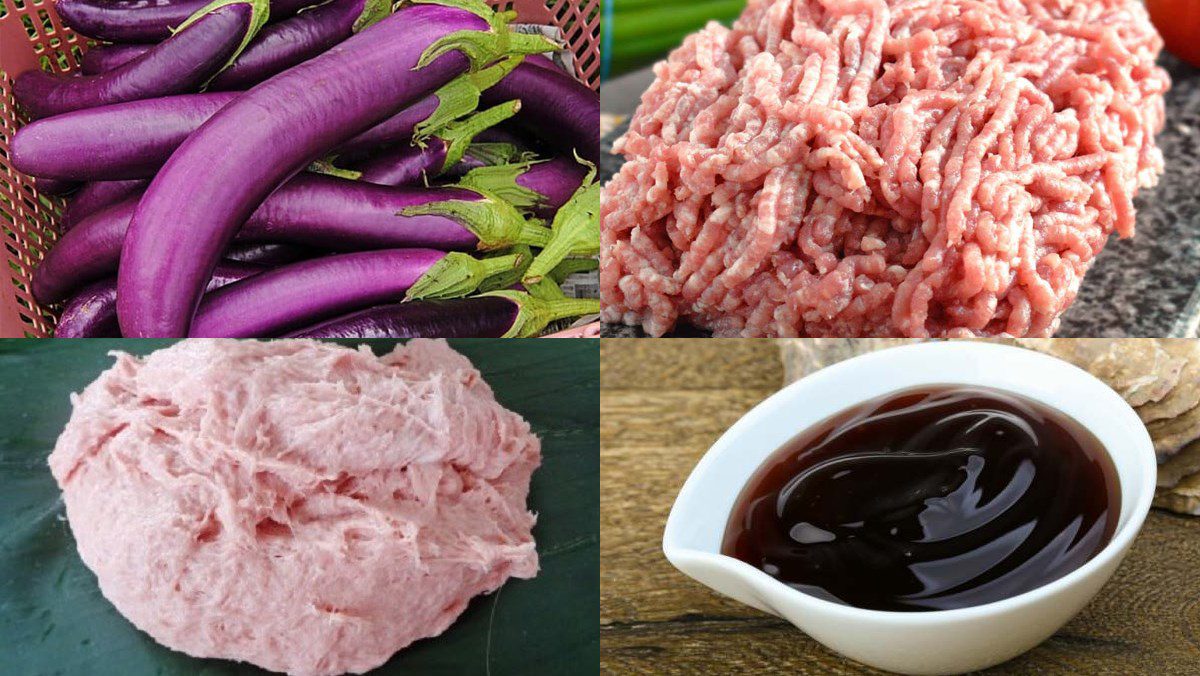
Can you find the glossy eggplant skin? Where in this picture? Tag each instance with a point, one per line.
(201, 196)
(178, 65)
(144, 20)
(479, 317)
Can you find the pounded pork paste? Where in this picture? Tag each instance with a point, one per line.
(302, 506)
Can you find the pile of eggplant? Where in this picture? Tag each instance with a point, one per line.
(324, 168)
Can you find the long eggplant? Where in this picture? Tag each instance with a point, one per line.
(300, 294)
(510, 314)
(144, 20)
(134, 139)
(282, 45)
(123, 141)
(339, 214)
(555, 107)
(310, 210)
(92, 313)
(205, 44)
(221, 173)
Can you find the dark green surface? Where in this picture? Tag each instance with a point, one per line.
(53, 619)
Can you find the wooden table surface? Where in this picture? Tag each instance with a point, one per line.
(663, 403)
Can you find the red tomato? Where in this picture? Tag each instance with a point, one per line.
(1178, 21)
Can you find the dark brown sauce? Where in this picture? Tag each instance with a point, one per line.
(931, 499)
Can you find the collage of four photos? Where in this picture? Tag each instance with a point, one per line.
(570, 337)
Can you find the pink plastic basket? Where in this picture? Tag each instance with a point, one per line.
(32, 36)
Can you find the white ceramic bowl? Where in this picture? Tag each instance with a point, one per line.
(934, 642)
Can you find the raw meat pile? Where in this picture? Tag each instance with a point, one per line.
(298, 505)
(883, 167)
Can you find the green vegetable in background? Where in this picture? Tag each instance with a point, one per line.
(639, 32)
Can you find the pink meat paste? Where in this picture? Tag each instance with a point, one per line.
(302, 506)
(883, 167)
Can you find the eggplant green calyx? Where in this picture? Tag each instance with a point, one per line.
(493, 154)
(460, 97)
(545, 289)
(329, 169)
(501, 181)
(496, 223)
(512, 277)
(260, 11)
(575, 229)
(458, 275)
(534, 314)
(372, 12)
(477, 7)
(571, 266)
(484, 48)
(459, 135)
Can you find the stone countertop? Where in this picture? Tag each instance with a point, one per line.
(1148, 286)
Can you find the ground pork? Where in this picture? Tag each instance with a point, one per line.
(302, 506)
(883, 167)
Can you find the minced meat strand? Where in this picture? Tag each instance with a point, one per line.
(883, 168)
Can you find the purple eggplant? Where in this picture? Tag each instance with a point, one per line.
(541, 187)
(555, 107)
(287, 43)
(504, 315)
(92, 313)
(205, 44)
(224, 170)
(107, 143)
(301, 294)
(123, 141)
(103, 58)
(144, 20)
(93, 197)
(310, 210)
(416, 164)
(339, 214)
(133, 139)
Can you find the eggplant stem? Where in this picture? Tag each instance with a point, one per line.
(373, 11)
(496, 154)
(476, 7)
(330, 169)
(501, 181)
(496, 223)
(572, 266)
(459, 135)
(512, 277)
(460, 97)
(458, 274)
(545, 289)
(576, 231)
(534, 314)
